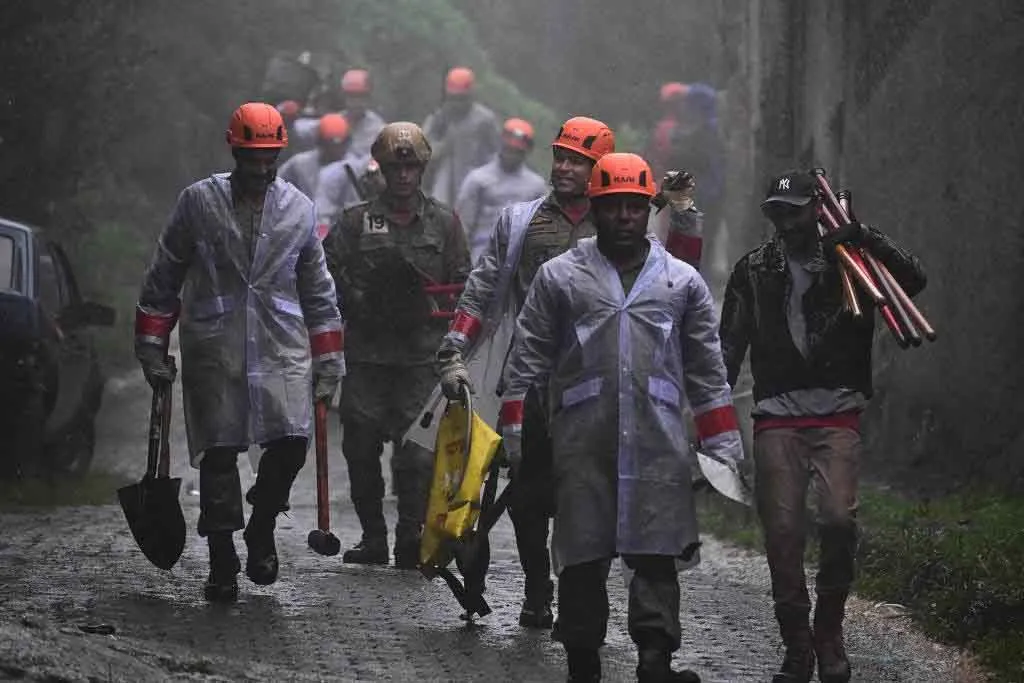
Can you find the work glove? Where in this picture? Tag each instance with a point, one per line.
(512, 447)
(853, 233)
(326, 378)
(677, 188)
(453, 376)
(157, 367)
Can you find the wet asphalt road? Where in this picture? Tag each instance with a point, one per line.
(70, 571)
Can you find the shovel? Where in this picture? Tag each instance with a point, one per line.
(151, 506)
(321, 540)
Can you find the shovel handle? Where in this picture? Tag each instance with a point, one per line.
(156, 424)
(164, 466)
(323, 504)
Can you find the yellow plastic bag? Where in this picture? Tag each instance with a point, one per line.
(455, 492)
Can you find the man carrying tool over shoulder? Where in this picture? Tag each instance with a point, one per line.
(261, 337)
(525, 236)
(811, 365)
(382, 254)
(616, 331)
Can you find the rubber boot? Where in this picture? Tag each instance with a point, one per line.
(407, 549)
(536, 610)
(798, 663)
(222, 583)
(261, 564)
(833, 665)
(369, 550)
(655, 666)
(584, 664)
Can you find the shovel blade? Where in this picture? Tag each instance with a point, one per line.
(155, 518)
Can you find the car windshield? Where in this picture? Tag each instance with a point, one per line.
(6, 262)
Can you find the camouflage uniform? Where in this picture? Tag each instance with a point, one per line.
(380, 262)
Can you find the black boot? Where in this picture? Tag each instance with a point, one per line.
(584, 665)
(655, 666)
(222, 583)
(407, 550)
(798, 663)
(833, 665)
(369, 550)
(536, 610)
(261, 564)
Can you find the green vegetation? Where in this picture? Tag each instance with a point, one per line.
(955, 562)
(96, 488)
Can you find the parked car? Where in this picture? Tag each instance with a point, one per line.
(51, 383)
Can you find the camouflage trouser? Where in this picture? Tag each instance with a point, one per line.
(378, 404)
(788, 461)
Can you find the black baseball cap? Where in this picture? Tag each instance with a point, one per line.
(796, 188)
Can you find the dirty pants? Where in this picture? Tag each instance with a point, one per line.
(787, 461)
(220, 490)
(532, 502)
(653, 611)
(378, 404)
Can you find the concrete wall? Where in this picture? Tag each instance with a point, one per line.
(915, 106)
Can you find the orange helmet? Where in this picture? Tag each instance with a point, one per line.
(518, 133)
(585, 136)
(621, 173)
(289, 109)
(459, 81)
(256, 125)
(671, 92)
(333, 128)
(356, 82)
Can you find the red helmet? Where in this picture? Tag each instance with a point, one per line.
(585, 136)
(518, 133)
(333, 128)
(621, 173)
(356, 82)
(459, 81)
(257, 125)
(289, 110)
(672, 92)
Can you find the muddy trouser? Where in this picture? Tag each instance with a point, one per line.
(787, 461)
(532, 502)
(220, 490)
(378, 404)
(652, 614)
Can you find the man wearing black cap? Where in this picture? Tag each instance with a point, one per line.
(811, 364)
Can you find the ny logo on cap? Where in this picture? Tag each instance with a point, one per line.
(784, 184)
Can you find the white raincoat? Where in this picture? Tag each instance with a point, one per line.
(252, 325)
(617, 368)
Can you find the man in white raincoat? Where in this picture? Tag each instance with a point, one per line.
(261, 337)
(617, 332)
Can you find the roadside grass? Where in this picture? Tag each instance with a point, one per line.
(956, 562)
(95, 488)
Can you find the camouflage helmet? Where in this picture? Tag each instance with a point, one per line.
(400, 141)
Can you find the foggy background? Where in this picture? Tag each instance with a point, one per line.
(109, 109)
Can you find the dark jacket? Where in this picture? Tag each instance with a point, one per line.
(754, 315)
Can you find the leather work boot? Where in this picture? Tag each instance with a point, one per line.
(261, 563)
(368, 551)
(536, 611)
(655, 666)
(798, 663)
(584, 665)
(222, 583)
(407, 553)
(833, 665)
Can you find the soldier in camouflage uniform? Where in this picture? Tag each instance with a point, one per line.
(525, 237)
(381, 253)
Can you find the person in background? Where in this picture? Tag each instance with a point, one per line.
(463, 133)
(365, 123)
(505, 180)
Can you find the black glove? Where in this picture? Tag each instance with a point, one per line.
(157, 367)
(852, 233)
